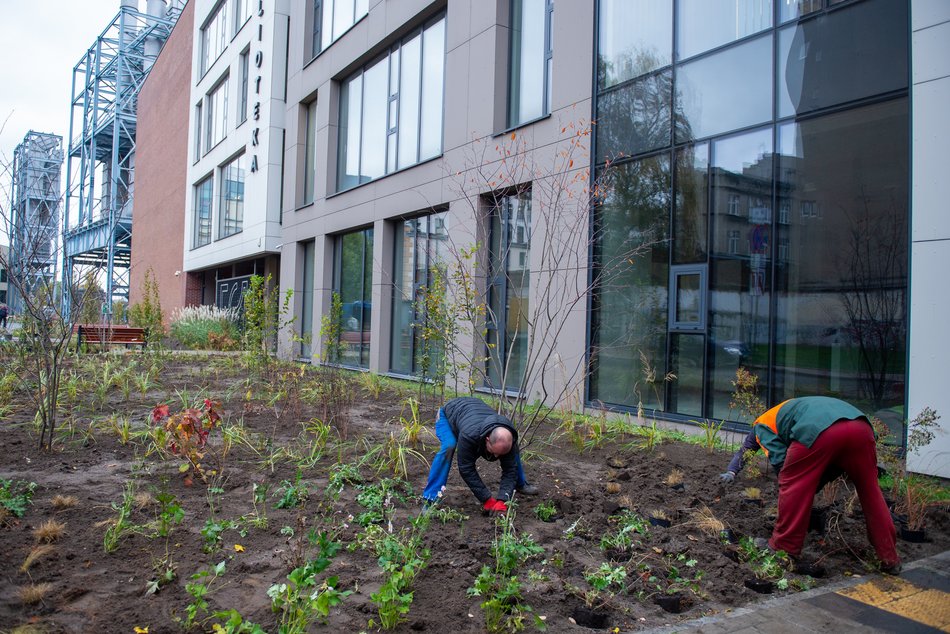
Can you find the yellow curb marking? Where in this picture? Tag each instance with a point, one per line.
(893, 594)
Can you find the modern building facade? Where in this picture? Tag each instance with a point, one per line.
(761, 189)
(233, 201)
(164, 108)
(34, 214)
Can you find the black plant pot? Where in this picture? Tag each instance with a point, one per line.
(586, 617)
(762, 586)
(678, 487)
(754, 502)
(729, 536)
(672, 603)
(659, 521)
(731, 553)
(818, 520)
(914, 536)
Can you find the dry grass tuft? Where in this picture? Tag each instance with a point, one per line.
(675, 477)
(61, 502)
(144, 499)
(49, 531)
(29, 628)
(35, 555)
(625, 501)
(706, 521)
(613, 487)
(753, 493)
(659, 514)
(34, 593)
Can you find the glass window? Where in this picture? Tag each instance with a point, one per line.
(634, 38)
(203, 197)
(242, 13)
(216, 104)
(421, 254)
(791, 9)
(530, 50)
(310, 154)
(231, 212)
(333, 18)
(214, 36)
(705, 24)
(841, 324)
(631, 305)
(245, 85)
(508, 294)
(382, 129)
(353, 280)
(852, 53)
(306, 299)
(636, 117)
(692, 194)
(739, 264)
(198, 138)
(726, 91)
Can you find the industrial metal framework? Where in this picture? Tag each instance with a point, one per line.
(34, 214)
(97, 225)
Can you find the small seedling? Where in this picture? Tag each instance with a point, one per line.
(15, 496)
(545, 511)
(292, 494)
(606, 576)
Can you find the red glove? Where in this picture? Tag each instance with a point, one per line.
(495, 506)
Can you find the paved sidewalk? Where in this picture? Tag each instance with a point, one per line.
(916, 602)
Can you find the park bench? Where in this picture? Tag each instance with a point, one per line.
(108, 335)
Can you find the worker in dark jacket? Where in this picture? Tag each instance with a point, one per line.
(809, 441)
(477, 431)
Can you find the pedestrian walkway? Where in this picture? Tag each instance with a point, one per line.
(916, 602)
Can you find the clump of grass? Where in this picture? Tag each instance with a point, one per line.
(61, 502)
(193, 327)
(673, 478)
(706, 521)
(143, 500)
(34, 593)
(37, 553)
(659, 514)
(752, 493)
(613, 487)
(49, 532)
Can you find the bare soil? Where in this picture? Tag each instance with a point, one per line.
(94, 591)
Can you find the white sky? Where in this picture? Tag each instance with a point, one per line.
(42, 40)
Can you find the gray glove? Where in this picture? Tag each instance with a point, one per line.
(727, 477)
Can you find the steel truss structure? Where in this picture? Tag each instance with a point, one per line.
(97, 224)
(34, 214)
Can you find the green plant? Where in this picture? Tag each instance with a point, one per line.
(121, 525)
(264, 318)
(503, 604)
(371, 383)
(170, 513)
(606, 576)
(412, 427)
(259, 499)
(200, 591)
(193, 327)
(745, 396)
(187, 433)
(148, 313)
(165, 572)
(711, 431)
(376, 498)
(15, 496)
(292, 494)
(678, 573)
(628, 524)
(401, 557)
(342, 474)
(212, 532)
(331, 331)
(395, 457)
(233, 623)
(302, 599)
(545, 511)
(764, 562)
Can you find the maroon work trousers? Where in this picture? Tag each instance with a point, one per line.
(848, 445)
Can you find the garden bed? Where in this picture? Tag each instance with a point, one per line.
(103, 450)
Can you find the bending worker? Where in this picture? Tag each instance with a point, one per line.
(478, 432)
(809, 441)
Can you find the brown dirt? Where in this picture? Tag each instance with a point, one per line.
(96, 591)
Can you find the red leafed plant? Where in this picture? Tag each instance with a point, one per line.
(186, 433)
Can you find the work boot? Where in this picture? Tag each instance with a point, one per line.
(528, 489)
(892, 569)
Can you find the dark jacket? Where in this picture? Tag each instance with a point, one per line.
(472, 421)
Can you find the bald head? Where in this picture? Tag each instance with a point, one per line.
(499, 441)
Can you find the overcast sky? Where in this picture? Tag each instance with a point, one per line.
(42, 41)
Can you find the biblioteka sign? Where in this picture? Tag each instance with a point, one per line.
(258, 65)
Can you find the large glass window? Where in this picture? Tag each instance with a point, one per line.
(353, 280)
(391, 110)
(841, 318)
(245, 86)
(199, 138)
(509, 278)
(421, 254)
(634, 38)
(529, 80)
(705, 24)
(242, 13)
(631, 308)
(332, 18)
(214, 36)
(635, 117)
(231, 212)
(203, 197)
(306, 298)
(216, 107)
(310, 154)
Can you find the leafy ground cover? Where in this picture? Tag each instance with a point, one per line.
(285, 499)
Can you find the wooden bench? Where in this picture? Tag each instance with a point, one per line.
(108, 335)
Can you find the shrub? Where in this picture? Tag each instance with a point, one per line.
(205, 328)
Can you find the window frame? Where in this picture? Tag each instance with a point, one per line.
(199, 219)
(223, 199)
(547, 65)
